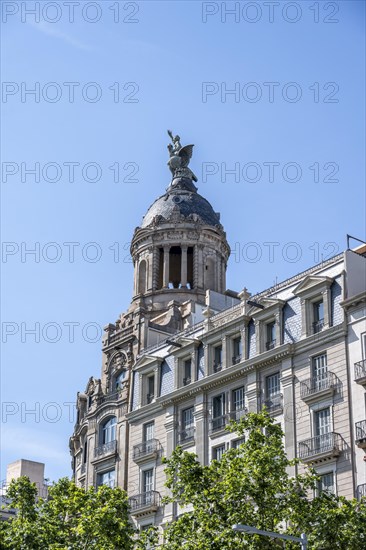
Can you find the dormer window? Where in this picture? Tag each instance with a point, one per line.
(150, 387)
(318, 316)
(217, 365)
(119, 381)
(187, 372)
(236, 350)
(270, 335)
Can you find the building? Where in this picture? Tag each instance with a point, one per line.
(189, 355)
(22, 467)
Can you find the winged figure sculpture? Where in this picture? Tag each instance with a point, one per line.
(179, 158)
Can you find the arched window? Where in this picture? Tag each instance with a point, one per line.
(142, 277)
(108, 431)
(85, 450)
(119, 380)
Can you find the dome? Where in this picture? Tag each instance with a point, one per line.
(180, 202)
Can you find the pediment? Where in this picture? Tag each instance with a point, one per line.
(268, 304)
(147, 360)
(312, 283)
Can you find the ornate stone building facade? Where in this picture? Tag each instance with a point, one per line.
(188, 356)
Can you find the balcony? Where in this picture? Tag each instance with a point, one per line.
(237, 414)
(107, 449)
(270, 345)
(361, 491)
(273, 404)
(318, 386)
(218, 423)
(187, 381)
(217, 367)
(144, 503)
(318, 326)
(360, 372)
(187, 436)
(320, 447)
(361, 434)
(110, 397)
(146, 450)
(236, 359)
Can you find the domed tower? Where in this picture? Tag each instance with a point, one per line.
(180, 249)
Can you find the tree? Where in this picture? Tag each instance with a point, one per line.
(70, 519)
(251, 485)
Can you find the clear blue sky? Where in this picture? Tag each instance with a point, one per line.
(168, 54)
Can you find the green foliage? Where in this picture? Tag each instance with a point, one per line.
(251, 485)
(71, 519)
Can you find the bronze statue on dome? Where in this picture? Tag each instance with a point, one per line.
(179, 158)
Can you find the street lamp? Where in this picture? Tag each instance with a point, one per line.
(248, 529)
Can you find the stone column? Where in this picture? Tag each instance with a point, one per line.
(198, 266)
(289, 410)
(166, 267)
(183, 276)
(200, 415)
(170, 426)
(252, 392)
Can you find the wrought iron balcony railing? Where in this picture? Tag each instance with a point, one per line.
(146, 448)
(150, 500)
(150, 398)
(187, 435)
(236, 359)
(328, 444)
(360, 371)
(270, 345)
(217, 367)
(274, 403)
(318, 326)
(318, 384)
(237, 414)
(187, 381)
(106, 449)
(361, 433)
(218, 423)
(361, 491)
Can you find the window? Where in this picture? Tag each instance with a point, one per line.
(326, 483)
(273, 385)
(109, 431)
(238, 403)
(187, 424)
(270, 335)
(217, 366)
(187, 372)
(217, 452)
(148, 435)
(218, 412)
(120, 380)
(150, 395)
(322, 423)
(237, 442)
(148, 480)
(320, 371)
(85, 451)
(107, 478)
(236, 350)
(318, 316)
